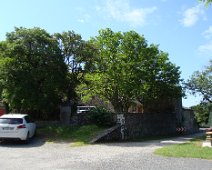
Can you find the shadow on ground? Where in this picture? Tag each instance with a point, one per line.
(157, 142)
(34, 142)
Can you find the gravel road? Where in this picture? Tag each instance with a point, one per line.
(113, 156)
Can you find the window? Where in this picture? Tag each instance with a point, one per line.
(13, 121)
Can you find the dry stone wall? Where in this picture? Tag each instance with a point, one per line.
(149, 124)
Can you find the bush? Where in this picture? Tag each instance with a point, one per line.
(202, 114)
(101, 117)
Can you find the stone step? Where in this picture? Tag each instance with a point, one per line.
(104, 133)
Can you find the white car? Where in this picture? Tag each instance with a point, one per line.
(16, 126)
(84, 109)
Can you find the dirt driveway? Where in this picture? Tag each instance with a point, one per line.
(114, 156)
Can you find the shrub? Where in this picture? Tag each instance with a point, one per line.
(101, 116)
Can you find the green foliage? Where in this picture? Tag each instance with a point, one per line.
(209, 124)
(77, 55)
(101, 117)
(70, 45)
(201, 83)
(32, 71)
(206, 2)
(80, 135)
(126, 69)
(38, 71)
(202, 112)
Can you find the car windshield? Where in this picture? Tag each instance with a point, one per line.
(13, 121)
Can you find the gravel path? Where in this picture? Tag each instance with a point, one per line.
(114, 156)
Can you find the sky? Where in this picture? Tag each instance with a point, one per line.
(182, 28)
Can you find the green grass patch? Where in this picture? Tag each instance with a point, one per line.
(77, 136)
(192, 149)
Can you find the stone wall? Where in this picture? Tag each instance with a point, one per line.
(65, 114)
(79, 119)
(188, 121)
(138, 125)
(109, 135)
(149, 124)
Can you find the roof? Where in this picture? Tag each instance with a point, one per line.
(13, 115)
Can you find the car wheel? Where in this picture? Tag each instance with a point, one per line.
(35, 133)
(27, 138)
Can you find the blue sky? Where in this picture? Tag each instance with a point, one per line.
(183, 28)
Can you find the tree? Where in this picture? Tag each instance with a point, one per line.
(202, 112)
(201, 83)
(209, 124)
(127, 69)
(207, 2)
(77, 55)
(32, 71)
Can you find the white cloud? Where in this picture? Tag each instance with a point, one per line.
(81, 20)
(83, 15)
(192, 15)
(206, 49)
(121, 10)
(138, 16)
(84, 18)
(208, 33)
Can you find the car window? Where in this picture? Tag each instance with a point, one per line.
(4, 121)
(13, 121)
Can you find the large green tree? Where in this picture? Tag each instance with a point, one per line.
(77, 55)
(202, 113)
(201, 83)
(128, 69)
(32, 71)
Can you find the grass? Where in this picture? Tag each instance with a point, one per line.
(192, 149)
(77, 136)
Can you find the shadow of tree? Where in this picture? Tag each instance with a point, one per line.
(34, 142)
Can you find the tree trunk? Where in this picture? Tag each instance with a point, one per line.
(118, 107)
